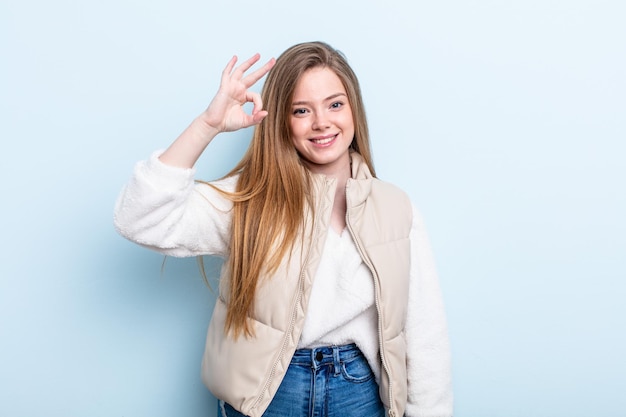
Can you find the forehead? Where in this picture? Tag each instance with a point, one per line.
(318, 83)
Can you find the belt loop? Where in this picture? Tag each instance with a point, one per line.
(314, 364)
(336, 360)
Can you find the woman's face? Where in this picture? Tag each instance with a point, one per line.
(321, 123)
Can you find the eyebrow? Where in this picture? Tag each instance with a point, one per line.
(299, 103)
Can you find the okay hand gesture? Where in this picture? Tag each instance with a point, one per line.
(226, 113)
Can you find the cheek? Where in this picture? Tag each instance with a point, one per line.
(349, 120)
(293, 133)
(296, 128)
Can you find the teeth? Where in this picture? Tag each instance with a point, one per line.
(323, 141)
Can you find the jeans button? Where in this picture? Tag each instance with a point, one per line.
(319, 356)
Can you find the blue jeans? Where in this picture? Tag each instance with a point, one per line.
(333, 381)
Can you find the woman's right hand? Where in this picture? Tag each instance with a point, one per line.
(226, 112)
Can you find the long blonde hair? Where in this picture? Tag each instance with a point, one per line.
(273, 188)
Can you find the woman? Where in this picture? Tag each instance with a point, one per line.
(328, 303)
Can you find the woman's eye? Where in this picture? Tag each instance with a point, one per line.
(336, 105)
(298, 112)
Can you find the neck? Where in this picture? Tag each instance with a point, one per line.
(340, 170)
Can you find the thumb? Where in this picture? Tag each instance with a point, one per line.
(259, 116)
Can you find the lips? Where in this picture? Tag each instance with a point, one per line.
(324, 140)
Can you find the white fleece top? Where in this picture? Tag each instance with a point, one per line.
(162, 208)
(341, 305)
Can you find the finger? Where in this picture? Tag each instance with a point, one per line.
(255, 76)
(253, 119)
(258, 117)
(245, 66)
(255, 99)
(229, 68)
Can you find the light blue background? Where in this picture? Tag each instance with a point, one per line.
(504, 120)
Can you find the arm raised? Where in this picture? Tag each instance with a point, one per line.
(224, 114)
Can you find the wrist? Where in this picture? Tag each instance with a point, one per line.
(206, 129)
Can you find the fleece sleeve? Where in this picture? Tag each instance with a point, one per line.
(164, 209)
(428, 351)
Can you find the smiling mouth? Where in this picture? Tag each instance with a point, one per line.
(324, 140)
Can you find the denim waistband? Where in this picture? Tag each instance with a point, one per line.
(326, 354)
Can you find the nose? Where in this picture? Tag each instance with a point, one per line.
(320, 121)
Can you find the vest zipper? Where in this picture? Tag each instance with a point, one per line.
(292, 322)
(367, 262)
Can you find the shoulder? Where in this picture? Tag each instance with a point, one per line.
(389, 205)
(389, 189)
(394, 197)
(226, 184)
(218, 192)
